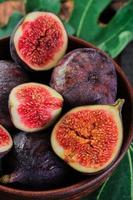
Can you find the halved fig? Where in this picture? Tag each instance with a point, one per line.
(11, 75)
(85, 76)
(39, 41)
(5, 141)
(89, 138)
(34, 106)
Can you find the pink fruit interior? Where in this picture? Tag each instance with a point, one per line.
(36, 105)
(88, 137)
(4, 138)
(41, 39)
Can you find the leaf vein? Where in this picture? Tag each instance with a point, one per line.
(131, 148)
(115, 34)
(131, 172)
(83, 17)
(103, 186)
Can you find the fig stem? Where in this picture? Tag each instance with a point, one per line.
(118, 104)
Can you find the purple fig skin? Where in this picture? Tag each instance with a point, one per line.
(11, 75)
(85, 76)
(34, 163)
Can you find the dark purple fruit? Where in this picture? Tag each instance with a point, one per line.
(85, 76)
(10, 76)
(34, 163)
(39, 41)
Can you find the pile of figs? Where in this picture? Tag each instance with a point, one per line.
(70, 123)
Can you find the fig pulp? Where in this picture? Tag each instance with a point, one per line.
(10, 76)
(33, 162)
(38, 41)
(89, 138)
(34, 106)
(85, 76)
(5, 141)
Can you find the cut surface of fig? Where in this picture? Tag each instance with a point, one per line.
(33, 163)
(34, 106)
(11, 75)
(85, 76)
(89, 138)
(5, 141)
(39, 41)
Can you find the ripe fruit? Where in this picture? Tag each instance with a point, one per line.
(34, 106)
(85, 76)
(89, 138)
(10, 76)
(33, 162)
(5, 141)
(39, 41)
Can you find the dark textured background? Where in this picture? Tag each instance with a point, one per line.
(126, 61)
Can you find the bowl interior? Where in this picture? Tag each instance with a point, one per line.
(124, 91)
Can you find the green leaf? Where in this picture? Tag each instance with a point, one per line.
(1, 1)
(120, 184)
(14, 19)
(43, 5)
(114, 36)
(85, 18)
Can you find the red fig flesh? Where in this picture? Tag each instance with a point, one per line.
(85, 76)
(89, 138)
(34, 106)
(39, 41)
(5, 141)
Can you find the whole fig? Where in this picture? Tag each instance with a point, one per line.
(11, 75)
(85, 76)
(34, 163)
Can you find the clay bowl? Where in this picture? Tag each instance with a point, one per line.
(86, 185)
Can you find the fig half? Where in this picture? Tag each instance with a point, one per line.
(89, 138)
(5, 141)
(39, 41)
(85, 76)
(34, 106)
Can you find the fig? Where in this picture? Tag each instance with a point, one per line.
(34, 106)
(85, 76)
(11, 75)
(34, 163)
(89, 138)
(5, 141)
(38, 41)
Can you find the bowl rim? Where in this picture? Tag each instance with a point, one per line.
(85, 184)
